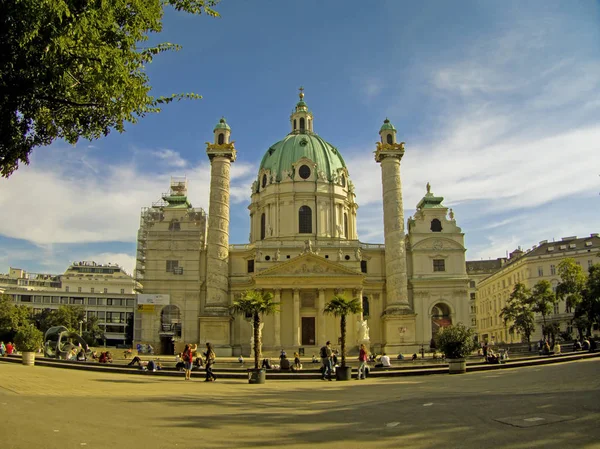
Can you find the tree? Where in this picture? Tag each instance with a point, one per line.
(256, 304)
(542, 301)
(587, 311)
(12, 317)
(342, 307)
(572, 283)
(456, 342)
(75, 68)
(518, 311)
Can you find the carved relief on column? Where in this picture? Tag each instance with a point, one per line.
(277, 319)
(217, 282)
(321, 337)
(296, 320)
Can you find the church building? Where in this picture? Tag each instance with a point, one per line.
(304, 248)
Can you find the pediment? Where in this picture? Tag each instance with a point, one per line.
(437, 243)
(308, 264)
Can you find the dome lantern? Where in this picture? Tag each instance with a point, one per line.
(387, 132)
(301, 118)
(222, 132)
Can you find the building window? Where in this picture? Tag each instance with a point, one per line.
(305, 220)
(472, 284)
(91, 301)
(174, 225)
(363, 266)
(105, 290)
(221, 139)
(590, 263)
(343, 181)
(92, 290)
(436, 225)
(79, 289)
(302, 124)
(171, 265)
(263, 224)
(251, 266)
(304, 172)
(264, 181)
(346, 225)
(540, 271)
(556, 309)
(122, 291)
(294, 123)
(365, 307)
(472, 296)
(439, 265)
(552, 269)
(67, 289)
(390, 139)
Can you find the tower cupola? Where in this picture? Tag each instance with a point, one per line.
(301, 118)
(222, 132)
(387, 133)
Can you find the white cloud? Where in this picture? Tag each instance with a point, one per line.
(172, 158)
(61, 200)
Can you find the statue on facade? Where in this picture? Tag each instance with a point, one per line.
(308, 249)
(451, 214)
(269, 230)
(322, 175)
(428, 187)
(363, 331)
(358, 253)
(340, 254)
(277, 255)
(287, 174)
(339, 229)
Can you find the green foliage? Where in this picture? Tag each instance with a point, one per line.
(75, 68)
(519, 312)
(340, 306)
(543, 300)
(12, 316)
(255, 303)
(587, 311)
(68, 316)
(572, 283)
(456, 342)
(29, 339)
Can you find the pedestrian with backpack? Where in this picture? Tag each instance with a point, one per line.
(326, 355)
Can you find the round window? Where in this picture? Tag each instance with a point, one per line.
(304, 172)
(264, 180)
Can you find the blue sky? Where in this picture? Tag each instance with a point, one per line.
(498, 103)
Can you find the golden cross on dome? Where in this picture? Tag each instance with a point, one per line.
(301, 89)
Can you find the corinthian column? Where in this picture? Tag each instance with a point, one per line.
(296, 320)
(277, 320)
(389, 156)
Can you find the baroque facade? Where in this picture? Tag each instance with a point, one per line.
(304, 248)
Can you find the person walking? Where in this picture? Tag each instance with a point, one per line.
(209, 355)
(326, 356)
(363, 356)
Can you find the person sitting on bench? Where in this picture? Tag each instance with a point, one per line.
(384, 361)
(285, 364)
(266, 364)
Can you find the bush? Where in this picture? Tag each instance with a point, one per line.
(456, 342)
(29, 339)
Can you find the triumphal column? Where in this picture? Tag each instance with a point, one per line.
(399, 324)
(215, 318)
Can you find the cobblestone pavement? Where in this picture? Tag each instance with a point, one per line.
(554, 406)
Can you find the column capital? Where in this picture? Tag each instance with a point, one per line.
(389, 150)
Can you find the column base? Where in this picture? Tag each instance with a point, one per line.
(217, 331)
(399, 332)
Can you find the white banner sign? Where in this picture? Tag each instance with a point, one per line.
(162, 300)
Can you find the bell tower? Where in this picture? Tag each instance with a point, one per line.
(215, 320)
(399, 324)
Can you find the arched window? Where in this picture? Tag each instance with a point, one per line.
(305, 220)
(309, 125)
(389, 139)
(302, 126)
(221, 139)
(263, 221)
(436, 225)
(346, 225)
(365, 306)
(264, 181)
(440, 317)
(294, 123)
(169, 318)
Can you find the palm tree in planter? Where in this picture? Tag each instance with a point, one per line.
(342, 307)
(456, 342)
(256, 304)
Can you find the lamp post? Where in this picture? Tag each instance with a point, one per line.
(81, 326)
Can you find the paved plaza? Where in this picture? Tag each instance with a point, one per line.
(554, 406)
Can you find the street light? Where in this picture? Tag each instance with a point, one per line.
(81, 326)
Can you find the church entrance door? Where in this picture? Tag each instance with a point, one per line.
(308, 331)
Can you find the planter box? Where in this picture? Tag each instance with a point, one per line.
(257, 376)
(457, 366)
(28, 358)
(343, 373)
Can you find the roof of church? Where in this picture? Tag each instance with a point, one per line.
(293, 147)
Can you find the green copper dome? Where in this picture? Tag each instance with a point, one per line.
(222, 124)
(387, 125)
(293, 147)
